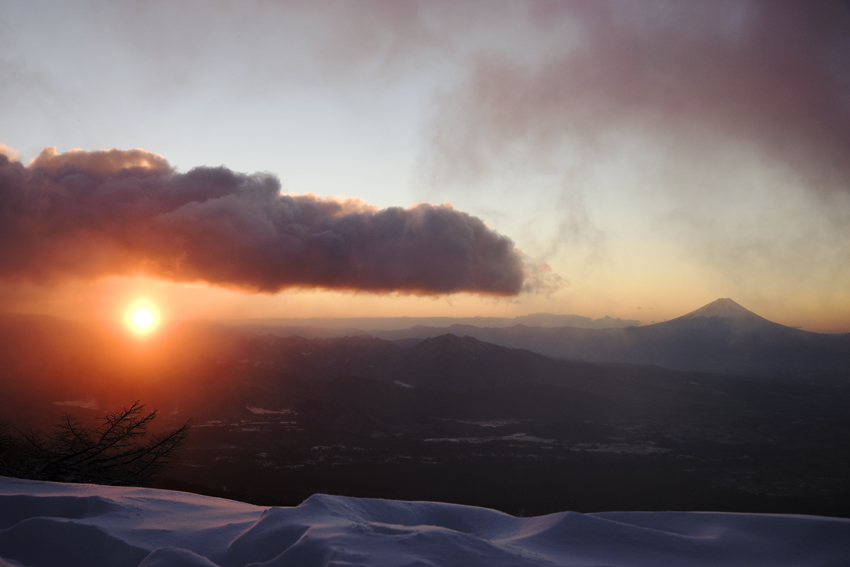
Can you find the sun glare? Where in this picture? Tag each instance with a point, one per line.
(142, 317)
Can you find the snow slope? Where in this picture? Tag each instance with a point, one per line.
(51, 524)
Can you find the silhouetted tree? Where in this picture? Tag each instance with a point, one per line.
(7, 447)
(120, 451)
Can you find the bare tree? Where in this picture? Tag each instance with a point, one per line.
(120, 451)
(7, 447)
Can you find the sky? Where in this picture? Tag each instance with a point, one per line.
(389, 158)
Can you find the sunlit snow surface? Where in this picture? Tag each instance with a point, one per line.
(47, 524)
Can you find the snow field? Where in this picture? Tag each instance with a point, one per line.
(64, 525)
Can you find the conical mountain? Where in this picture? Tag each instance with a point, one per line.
(727, 314)
(724, 336)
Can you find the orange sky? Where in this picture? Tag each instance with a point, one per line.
(110, 298)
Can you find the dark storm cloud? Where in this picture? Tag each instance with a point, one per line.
(775, 73)
(91, 214)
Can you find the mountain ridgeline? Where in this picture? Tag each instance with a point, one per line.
(719, 337)
(41, 356)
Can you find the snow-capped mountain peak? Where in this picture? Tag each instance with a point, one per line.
(722, 308)
(724, 313)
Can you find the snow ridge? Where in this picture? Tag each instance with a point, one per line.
(45, 524)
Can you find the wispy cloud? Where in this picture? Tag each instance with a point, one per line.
(774, 73)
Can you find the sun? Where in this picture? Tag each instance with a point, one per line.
(142, 317)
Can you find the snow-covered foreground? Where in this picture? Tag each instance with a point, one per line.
(50, 524)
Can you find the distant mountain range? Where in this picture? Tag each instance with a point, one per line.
(719, 337)
(349, 326)
(46, 358)
(446, 362)
(43, 357)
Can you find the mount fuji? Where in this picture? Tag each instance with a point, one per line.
(727, 310)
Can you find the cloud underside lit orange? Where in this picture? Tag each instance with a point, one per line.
(112, 213)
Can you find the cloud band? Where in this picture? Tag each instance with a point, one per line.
(93, 214)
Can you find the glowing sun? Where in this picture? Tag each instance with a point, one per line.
(142, 317)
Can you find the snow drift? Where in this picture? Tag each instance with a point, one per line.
(52, 524)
